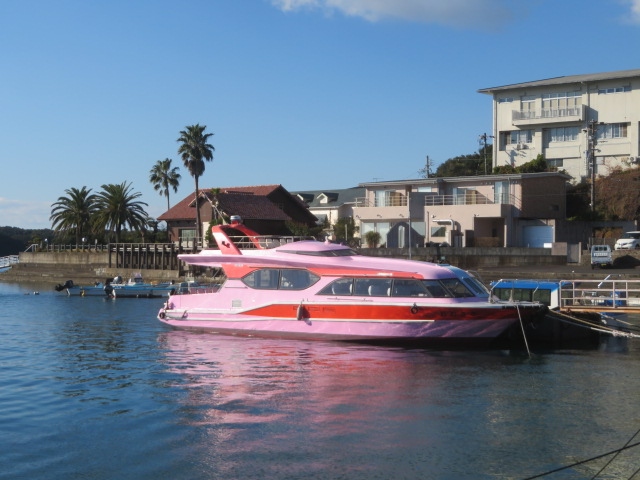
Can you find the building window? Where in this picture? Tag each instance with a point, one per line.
(187, 233)
(561, 104)
(518, 136)
(438, 231)
(562, 134)
(606, 91)
(612, 130)
(505, 100)
(555, 162)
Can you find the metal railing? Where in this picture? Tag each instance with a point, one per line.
(611, 293)
(469, 199)
(546, 113)
(395, 201)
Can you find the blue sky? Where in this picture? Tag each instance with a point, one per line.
(310, 94)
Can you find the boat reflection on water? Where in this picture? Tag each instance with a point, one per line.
(240, 380)
(273, 408)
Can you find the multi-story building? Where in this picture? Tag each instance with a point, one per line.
(585, 125)
(487, 210)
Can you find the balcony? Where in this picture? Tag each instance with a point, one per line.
(469, 198)
(393, 201)
(547, 115)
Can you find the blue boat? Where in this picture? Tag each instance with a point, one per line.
(581, 312)
(135, 287)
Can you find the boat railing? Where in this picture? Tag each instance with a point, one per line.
(194, 288)
(612, 293)
(244, 242)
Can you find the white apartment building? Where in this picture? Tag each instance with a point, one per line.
(577, 122)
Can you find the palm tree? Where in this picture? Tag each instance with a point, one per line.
(163, 177)
(74, 212)
(194, 150)
(117, 206)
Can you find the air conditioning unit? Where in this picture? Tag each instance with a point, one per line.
(518, 146)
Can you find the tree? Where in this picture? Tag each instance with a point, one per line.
(618, 195)
(466, 165)
(194, 150)
(163, 177)
(372, 238)
(117, 207)
(74, 212)
(345, 229)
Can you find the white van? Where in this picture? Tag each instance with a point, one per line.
(601, 256)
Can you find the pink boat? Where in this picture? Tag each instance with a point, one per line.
(307, 289)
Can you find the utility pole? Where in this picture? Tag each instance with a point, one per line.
(427, 167)
(483, 141)
(592, 141)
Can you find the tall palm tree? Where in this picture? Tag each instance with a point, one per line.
(194, 150)
(74, 212)
(163, 177)
(118, 207)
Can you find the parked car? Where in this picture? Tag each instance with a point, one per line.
(628, 241)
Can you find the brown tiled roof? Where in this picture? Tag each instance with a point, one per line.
(250, 206)
(248, 202)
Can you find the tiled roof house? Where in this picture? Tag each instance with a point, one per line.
(263, 208)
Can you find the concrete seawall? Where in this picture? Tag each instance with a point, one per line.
(492, 263)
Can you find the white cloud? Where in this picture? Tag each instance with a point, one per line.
(479, 14)
(24, 214)
(635, 11)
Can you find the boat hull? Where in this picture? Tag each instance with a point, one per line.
(404, 324)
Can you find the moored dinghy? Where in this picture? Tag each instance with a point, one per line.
(135, 287)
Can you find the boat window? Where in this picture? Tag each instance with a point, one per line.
(296, 279)
(342, 286)
(379, 288)
(524, 295)
(476, 286)
(409, 288)
(263, 279)
(457, 288)
(284, 279)
(435, 289)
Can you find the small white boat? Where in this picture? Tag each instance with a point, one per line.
(135, 287)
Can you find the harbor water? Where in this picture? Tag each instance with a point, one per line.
(96, 389)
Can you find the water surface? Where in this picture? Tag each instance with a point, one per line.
(99, 389)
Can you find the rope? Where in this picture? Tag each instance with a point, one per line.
(592, 326)
(614, 457)
(526, 344)
(582, 462)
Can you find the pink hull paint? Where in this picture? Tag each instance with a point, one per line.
(351, 330)
(322, 291)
